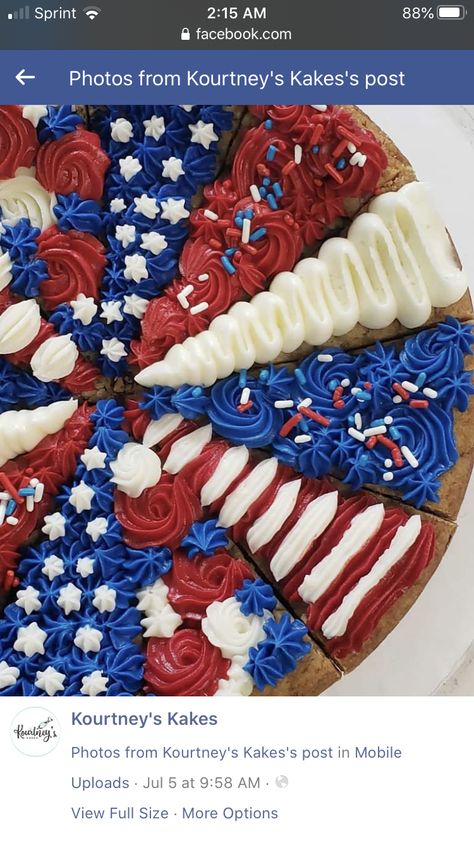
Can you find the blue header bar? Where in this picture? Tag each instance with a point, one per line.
(373, 77)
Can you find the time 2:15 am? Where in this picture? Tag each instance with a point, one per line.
(232, 12)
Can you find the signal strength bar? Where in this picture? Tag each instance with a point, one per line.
(20, 14)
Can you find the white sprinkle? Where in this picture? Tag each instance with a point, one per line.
(298, 153)
(245, 230)
(39, 492)
(345, 382)
(355, 158)
(397, 399)
(198, 308)
(388, 420)
(4, 496)
(358, 421)
(410, 458)
(3, 506)
(306, 402)
(188, 290)
(355, 390)
(203, 277)
(12, 520)
(409, 386)
(283, 405)
(303, 437)
(255, 194)
(387, 476)
(245, 395)
(362, 160)
(375, 431)
(430, 393)
(34, 482)
(211, 215)
(356, 434)
(388, 463)
(325, 358)
(30, 503)
(351, 147)
(320, 107)
(183, 300)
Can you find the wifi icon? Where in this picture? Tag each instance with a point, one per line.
(91, 12)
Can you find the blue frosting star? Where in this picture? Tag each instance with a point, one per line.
(255, 597)
(204, 537)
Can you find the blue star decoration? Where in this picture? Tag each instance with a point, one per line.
(204, 537)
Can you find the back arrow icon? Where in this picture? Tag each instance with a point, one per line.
(22, 76)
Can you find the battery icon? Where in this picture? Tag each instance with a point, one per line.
(451, 12)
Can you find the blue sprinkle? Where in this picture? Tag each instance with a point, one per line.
(242, 378)
(277, 190)
(197, 392)
(27, 492)
(248, 214)
(341, 164)
(351, 419)
(364, 396)
(268, 124)
(264, 375)
(267, 182)
(230, 252)
(304, 425)
(228, 266)
(395, 433)
(377, 423)
(258, 234)
(11, 506)
(333, 384)
(271, 152)
(300, 376)
(239, 222)
(272, 202)
(262, 191)
(316, 149)
(421, 379)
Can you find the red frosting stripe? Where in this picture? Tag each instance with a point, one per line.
(185, 665)
(18, 141)
(75, 163)
(75, 263)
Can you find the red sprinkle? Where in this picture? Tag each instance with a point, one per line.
(340, 148)
(344, 133)
(316, 136)
(313, 414)
(290, 424)
(371, 442)
(243, 407)
(419, 403)
(247, 247)
(262, 170)
(338, 405)
(398, 388)
(334, 173)
(289, 167)
(384, 440)
(214, 244)
(367, 385)
(9, 487)
(234, 232)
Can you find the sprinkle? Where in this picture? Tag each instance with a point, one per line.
(298, 153)
(30, 504)
(355, 390)
(302, 438)
(388, 420)
(339, 404)
(371, 443)
(397, 399)
(4, 496)
(397, 457)
(356, 158)
(2, 512)
(9, 487)
(254, 192)
(409, 386)
(387, 476)
(345, 133)
(248, 214)
(421, 379)
(388, 463)
(243, 407)
(246, 230)
(290, 424)
(283, 405)
(401, 391)
(316, 136)
(300, 377)
(367, 385)
(39, 492)
(34, 482)
(333, 384)
(351, 148)
(345, 383)
(304, 425)
(214, 243)
(339, 149)
(320, 107)
(242, 378)
(11, 506)
(231, 252)
(395, 433)
(272, 202)
(384, 440)
(288, 168)
(306, 402)
(12, 520)
(334, 173)
(317, 417)
(376, 422)
(375, 431)
(197, 392)
(262, 192)
(264, 375)
(315, 149)
(183, 300)
(271, 152)
(227, 265)
(362, 161)
(258, 234)
(267, 182)
(409, 456)
(199, 308)
(358, 421)
(430, 393)
(341, 164)
(245, 395)
(277, 190)
(268, 124)
(28, 492)
(419, 404)
(203, 277)
(337, 393)
(325, 358)
(211, 215)
(364, 396)
(356, 434)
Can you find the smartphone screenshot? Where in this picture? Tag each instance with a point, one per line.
(236, 421)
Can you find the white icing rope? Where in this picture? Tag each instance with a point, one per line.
(22, 430)
(397, 262)
(24, 196)
(5, 270)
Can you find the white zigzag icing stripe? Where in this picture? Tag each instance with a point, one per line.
(397, 262)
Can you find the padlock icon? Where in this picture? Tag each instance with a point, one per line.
(185, 34)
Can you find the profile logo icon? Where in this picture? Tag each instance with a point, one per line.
(35, 731)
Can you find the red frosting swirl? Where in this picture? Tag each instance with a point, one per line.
(161, 515)
(75, 263)
(185, 665)
(18, 141)
(196, 583)
(75, 163)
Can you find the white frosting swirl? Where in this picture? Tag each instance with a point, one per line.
(238, 683)
(23, 196)
(136, 468)
(396, 263)
(19, 325)
(5, 270)
(227, 628)
(55, 358)
(22, 430)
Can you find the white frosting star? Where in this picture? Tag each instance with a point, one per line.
(153, 598)
(135, 268)
(111, 311)
(85, 566)
(94, 684)
(88, 639)
(203, 133)
(135, 305)
(27, 599)
(162, 624)
(84, 308)
(121, 130)
(173, 168)
(8, 675)
(93, 458)
(154, 242)
(69, 599)
(50, 681)
(125, 234)
(34, 113)
(81, 497)
(174, 210)
(105, 599)
(114, 349)
(53, 567)
(146, 205)
(129, 167)
(30, 640)
(96, 528)
(187, 108)
(117, 205)
(154, 127)
(54, 526)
